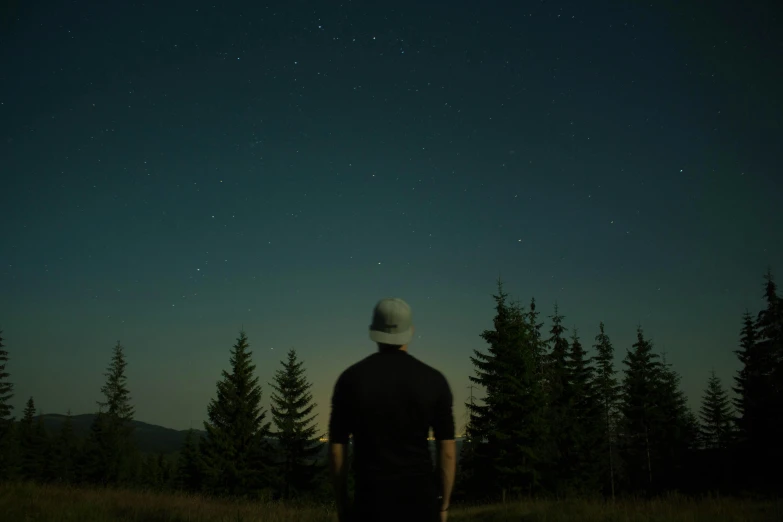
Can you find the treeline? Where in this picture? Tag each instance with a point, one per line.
(247, 451)
(559, 422)
(555, 421)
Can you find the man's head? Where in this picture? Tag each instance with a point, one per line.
(392, 324)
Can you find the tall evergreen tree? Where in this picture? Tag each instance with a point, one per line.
(586, 420)
(716, 416)
(559, 408)
(521, 429)
(7, 433)
(749, 382)
(298, 443)
(769, 350)
(33, 444)
(236, 448)
(190, 467)
(638, 413)
(6, 389)
(111, 454)
(607, 391)
(507, 429)
(675, 429)
(538, 345)
(66, 447)
(479, 468)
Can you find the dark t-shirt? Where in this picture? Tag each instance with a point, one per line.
(389, 401)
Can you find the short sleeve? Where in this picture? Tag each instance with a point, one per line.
(443, 416)
(340, 419)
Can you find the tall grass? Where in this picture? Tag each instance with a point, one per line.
(32, 503)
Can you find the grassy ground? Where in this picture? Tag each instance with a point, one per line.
(25, 502)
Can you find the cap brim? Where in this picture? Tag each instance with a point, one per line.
(397, 339)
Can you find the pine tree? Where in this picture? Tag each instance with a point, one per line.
(46, 449)
(675, 429)
(8, 443)
(521, 428)
(608, 393)
(190, 467)
(65, 453)
(6, 389)
(586, 420)
(482, 414)
(769, 351)
(236, 448)
(537, 344)
(151, 472)
(507, 430)
(111, 450)
(750, 395)
(716, 416)
(638, 413)
(559, 408)
(295, 432)
(33, 443)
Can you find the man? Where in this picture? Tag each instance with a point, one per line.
(388, 401)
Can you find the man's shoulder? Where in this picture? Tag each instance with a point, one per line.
(426, 367)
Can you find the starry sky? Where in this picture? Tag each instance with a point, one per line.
(171, 172)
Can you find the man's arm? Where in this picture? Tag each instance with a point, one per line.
(443, 430)
(339, 433)
(338, 465)
(447, 469)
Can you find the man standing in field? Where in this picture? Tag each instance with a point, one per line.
(388, 401)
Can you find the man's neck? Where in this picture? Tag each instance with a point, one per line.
(393, 350)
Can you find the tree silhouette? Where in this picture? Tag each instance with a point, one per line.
(7, 432)
(236, 447)
(638, 412)
(295, 432)
(190, 467)
(607, 391)
(716, 416)
(110, 455)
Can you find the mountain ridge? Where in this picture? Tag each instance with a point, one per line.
(150, 438)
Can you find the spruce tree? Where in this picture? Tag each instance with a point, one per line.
(607, 391)
(586, 420)
(236, 448)
(716, 416)
(151, 472)
(749, 383)
(559, 409)
(537, 344)
(638, 413)
(675, 430)
(506, 431)
(33, 444)
(111, 453)
(65, 453)
(6, 390)
(190, 465)
(482, 413)
(8, 444)
(295, 433)
(769, 350)
(520, 430)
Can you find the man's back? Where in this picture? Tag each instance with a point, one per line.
(389, 401)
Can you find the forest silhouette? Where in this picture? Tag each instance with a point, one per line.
(558, 421)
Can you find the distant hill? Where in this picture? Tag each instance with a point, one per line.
(151, 438)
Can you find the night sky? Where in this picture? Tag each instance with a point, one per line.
(171, 172)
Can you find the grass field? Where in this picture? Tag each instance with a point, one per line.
(27, 502)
